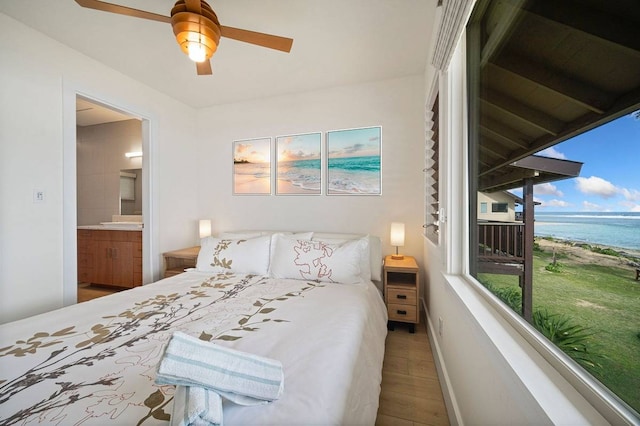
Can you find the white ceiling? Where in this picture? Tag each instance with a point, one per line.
(336, 42)
(91, 113)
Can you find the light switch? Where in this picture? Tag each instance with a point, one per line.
(38, 196)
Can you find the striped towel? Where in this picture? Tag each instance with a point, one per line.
(242, 378)
(196, 406)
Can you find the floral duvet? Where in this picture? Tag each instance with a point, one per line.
(95, 362)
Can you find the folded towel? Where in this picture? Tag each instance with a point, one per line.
(196, 406)
(240, 377)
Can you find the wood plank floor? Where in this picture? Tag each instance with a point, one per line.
(410, 395)
(91, 291)
(411, 392)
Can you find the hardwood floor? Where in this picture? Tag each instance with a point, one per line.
(411, 392)
(410, 395)
(90, 291)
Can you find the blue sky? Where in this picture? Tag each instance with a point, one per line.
(354, 142)
(610, 177)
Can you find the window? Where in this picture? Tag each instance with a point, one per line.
(499, 207)
(534, 83)
(483, 207)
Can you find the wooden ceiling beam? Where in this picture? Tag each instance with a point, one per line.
(502, 133)
(515, 109)
(513, 178)
(626, 104)
(554, 80)
(615, 29)
(504, 15)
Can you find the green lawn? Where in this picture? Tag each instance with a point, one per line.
(605, 299)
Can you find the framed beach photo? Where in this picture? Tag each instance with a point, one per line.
(252, 167)
(353, 161)
(298, 166)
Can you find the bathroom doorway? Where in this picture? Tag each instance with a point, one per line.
(110, 192)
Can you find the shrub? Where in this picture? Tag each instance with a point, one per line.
(571, 338)
(511, 296)
(607, 251)
(554, 267)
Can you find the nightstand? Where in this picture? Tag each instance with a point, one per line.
(175, 262)
(402, 291)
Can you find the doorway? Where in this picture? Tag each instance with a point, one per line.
(109, 143)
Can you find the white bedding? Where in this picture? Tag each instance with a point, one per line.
(95, 362)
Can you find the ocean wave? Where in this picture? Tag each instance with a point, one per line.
(346, 185)
(355, 164)
(626, 215)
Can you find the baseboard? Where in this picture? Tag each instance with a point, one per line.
(453, 411)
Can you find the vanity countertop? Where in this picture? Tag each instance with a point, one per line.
(118, 227)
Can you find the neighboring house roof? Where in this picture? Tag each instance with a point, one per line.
(514, 197)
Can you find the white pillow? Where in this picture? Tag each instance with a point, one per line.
(238, 235)
(247, 256)
(316, 260)
(365, 259)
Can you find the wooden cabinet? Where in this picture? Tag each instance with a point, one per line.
(402, 291)
(110, 257)
(175, 262)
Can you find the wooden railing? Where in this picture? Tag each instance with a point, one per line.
(501, 242)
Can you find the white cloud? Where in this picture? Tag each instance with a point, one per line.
(591, 206)
(630, 194)
(596, 186)
(630, 206)
(547, 189)
(555, 203)
(552, 153)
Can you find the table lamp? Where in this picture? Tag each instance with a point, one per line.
(397, 238)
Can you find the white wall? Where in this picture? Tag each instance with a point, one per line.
(39, 79)
(496, 197)
(396, 105)
(100, 157)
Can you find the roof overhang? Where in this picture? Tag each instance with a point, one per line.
(546, 71)
(539, 169)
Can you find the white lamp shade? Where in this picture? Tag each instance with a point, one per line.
(397, 234)
(205, 228)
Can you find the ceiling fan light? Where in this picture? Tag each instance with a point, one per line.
(197, 51)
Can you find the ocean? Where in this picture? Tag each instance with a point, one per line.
(355, 175)
(304, 174)
(620, 229)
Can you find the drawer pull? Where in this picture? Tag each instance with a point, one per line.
(401, 296)
(401, 312)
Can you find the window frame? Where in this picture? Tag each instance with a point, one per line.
(499, 207)
(604, 401)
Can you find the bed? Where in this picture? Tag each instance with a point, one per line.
(308, 300)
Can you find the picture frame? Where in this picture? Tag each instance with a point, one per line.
(252, 166)
(354, 161)
(299, 164)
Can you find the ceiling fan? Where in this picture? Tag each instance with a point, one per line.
(196, 28)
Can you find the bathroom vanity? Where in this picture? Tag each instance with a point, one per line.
(110, 255)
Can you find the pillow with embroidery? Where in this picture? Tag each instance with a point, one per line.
(317, 260)
(246, 256)
(365, 258)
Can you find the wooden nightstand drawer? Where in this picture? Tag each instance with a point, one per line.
(402, 296)
(404, 313)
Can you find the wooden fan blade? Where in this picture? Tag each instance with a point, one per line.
(261, 39)
(122, 10)
(204, 68)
